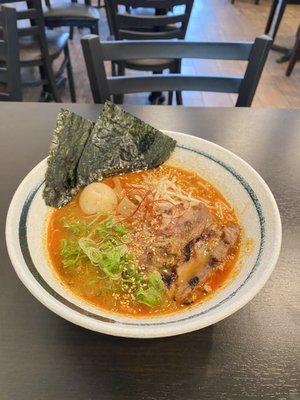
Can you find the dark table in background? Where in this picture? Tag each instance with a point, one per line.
(250, 355)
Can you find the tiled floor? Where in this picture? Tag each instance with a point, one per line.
(216, 20)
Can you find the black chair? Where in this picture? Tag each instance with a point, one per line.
(95, 53)
(72, 15)
(156, 21)
(295, 56)
(40, 48)
(274, 19)
(10, 71)
(275, 16)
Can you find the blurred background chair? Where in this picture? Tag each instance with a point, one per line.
(73, 15)
(10, 69)
(295, 55)
(40, 48)
(255, 1)
(149, 20)
(103, 87)
(275, 16)
(277, 11)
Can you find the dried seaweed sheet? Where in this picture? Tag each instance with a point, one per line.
(82, 152)
(68, 142)
(120, 143)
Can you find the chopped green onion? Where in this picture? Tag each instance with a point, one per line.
(155, 280)
(150, 297)
(71, 253)
(103, 246)
(120, 229)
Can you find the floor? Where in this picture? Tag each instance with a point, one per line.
(215, 20)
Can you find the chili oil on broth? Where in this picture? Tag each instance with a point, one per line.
(85, 281)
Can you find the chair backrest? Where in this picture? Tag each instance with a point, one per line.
(103, 87)
(10, 70)
(162, 23)
(86, 2)
(30, 13)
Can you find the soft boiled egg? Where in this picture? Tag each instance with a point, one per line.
(97, 197)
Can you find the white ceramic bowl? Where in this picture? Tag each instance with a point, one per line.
(240, 184)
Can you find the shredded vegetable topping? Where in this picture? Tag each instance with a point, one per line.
(166, 188)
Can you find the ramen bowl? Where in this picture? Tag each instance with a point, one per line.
(236, 180)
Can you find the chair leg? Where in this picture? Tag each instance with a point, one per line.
(280, 15)
(54, 89)
(170, 95)
(71, 32)
(70, 74)
(177, 70)
(179, 98)
(295, 56)
(271, 16)
(95, 28)
(45, 88)
(281, 4)
(46, 73)
(156, 97)
(113, 68)
(119, 98)
(108, 17)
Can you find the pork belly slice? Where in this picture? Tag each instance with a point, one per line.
(206, 253)
(167, 248)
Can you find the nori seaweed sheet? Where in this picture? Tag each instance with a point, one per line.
(68, 142)
(121, 143)
(82, 152)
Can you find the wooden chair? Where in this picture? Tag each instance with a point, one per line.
(72, 15)
(95, 53)
(40, 48)
(155, 22)
(10, 71)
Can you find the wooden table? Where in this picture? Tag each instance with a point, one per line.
(250, 355)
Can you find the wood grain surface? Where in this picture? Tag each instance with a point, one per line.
(253, 354)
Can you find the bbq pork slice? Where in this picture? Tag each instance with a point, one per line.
(188, 227)
(168, 248)
(206, 253)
